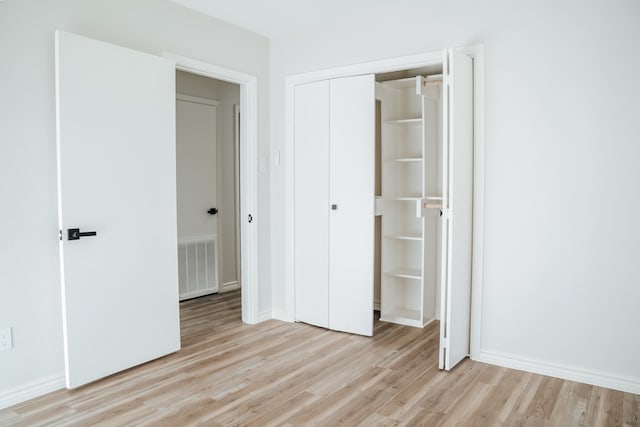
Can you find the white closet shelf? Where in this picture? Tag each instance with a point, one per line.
(405, 236)
(404, 83)
(403, 316)
(407, 159)
(432, 206)
(405, 198)
(405, 273)
(405, 122)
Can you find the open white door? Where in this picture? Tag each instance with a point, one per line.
(458, 209)
(117, 179)
(352, 196)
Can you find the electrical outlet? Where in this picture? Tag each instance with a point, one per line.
(6, 343)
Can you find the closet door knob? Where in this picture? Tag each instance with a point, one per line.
(334, 207)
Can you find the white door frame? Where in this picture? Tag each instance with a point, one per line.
(236, 162)
(382, 66)
(248, 173)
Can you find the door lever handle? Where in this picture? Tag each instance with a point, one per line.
(212, 211)
(75, 234)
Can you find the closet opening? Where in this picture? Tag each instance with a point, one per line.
(409, 192)
(382, 196)
(207, 184)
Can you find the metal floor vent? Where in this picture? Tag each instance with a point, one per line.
(197, 267)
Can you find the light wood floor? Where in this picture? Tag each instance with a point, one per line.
(279, 373)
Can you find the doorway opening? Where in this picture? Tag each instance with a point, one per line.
(207, 183)
(245, 136)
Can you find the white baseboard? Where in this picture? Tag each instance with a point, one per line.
(230, 286)
(601, 379)
(22, 393)
(196, 294)
(264, 315)
(281, 315)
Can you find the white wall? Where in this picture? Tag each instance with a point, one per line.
(562, 235)
(29, 273)
(227, 94)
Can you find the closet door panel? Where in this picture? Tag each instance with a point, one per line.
(311, 203)
(456, 302)
(352, 174)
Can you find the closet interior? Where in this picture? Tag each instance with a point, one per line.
(409, 201)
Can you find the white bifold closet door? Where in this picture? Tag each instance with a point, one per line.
(311, 206)
(334, 203)
(458, 209)
(352, 197)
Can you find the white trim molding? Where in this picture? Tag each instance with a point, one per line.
(265, 315)
(197, 100)
(521, 363)
(248, 172)
(281, 315)
(31, 390)
(230, 286)
(196, 294)
(236, 188)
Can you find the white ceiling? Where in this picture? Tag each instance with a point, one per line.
(278, 18)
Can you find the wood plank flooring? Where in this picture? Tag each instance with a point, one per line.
(275, 373)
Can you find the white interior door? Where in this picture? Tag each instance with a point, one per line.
(352, 194)
(458, 198)
(196, 167)
(117, 178)
(198, 240)
(311, 203)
